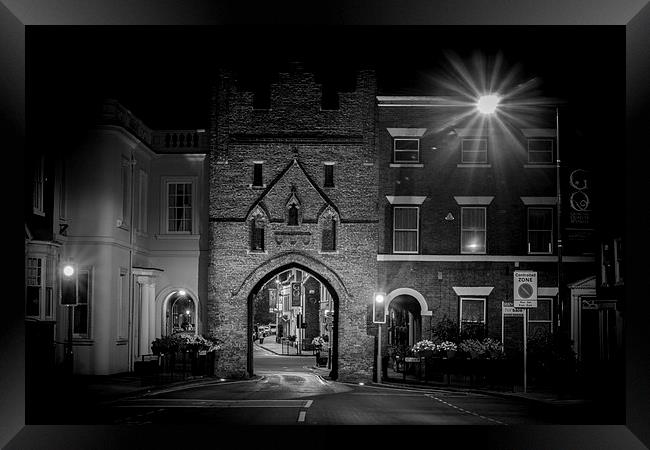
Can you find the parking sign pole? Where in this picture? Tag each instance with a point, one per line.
(525, 347)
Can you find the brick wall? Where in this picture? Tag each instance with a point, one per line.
(293, 139)
(440, 179)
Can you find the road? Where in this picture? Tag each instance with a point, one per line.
(289, 391)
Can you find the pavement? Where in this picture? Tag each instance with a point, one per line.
(113, 387)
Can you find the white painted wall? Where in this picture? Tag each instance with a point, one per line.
(94, 239)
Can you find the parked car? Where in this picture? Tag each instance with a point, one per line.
(273, 328)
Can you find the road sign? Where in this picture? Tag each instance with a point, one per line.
(511, 311)
(525, 289)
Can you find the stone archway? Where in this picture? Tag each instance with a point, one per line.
(162, 304)
(424, 308)
(231, 321)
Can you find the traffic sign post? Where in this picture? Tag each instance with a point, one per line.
(525, 296)
(525, 289)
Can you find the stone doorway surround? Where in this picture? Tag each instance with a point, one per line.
(352, 346)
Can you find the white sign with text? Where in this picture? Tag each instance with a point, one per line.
(525, 289)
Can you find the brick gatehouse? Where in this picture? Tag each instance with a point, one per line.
(293, 184)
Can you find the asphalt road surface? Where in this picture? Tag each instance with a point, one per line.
(290, 391)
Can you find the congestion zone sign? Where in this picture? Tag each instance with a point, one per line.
(525, 284)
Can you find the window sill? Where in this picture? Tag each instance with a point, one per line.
(257, 252)
(539, 166)
(186, 236)
(414, 165)
(406, 253)
(253, 186)
(39, 213)
(121, 341)
(541, 253)
(83, 341)
(321, 252)
(484, 166)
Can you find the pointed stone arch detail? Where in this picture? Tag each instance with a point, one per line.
(257, 213)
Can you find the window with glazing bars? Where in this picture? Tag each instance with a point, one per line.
(472, 311)
(81, 312)
(34, 286)
(540, 151)
(179, 207)
(474, 150)
(405, 229)
(473, 232)
(540, 230)
(406, 150)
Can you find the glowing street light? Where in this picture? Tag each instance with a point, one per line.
(68, 270)
(487, 104)
(181, 293)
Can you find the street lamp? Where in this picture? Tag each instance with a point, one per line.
(379, 317)
(69, 299)
(487, 104)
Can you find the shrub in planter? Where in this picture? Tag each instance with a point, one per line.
(424, 347)
(449, 348)
(493, 349)
(445, 330)
(472, 347)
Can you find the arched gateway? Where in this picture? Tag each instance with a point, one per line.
(292, 186)
(352, 347)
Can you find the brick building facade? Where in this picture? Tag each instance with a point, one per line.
(292, 184)
(464, 203)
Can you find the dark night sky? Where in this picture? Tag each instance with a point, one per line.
(163, 74)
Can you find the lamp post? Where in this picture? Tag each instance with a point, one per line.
(379, 317)
(69, 299)
(559, 223)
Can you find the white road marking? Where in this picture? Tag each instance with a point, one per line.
(464, 410)
(301, 416)
(308, 404)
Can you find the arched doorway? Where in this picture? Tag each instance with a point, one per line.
(303, 305)
(180, 314)
(404, 321)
